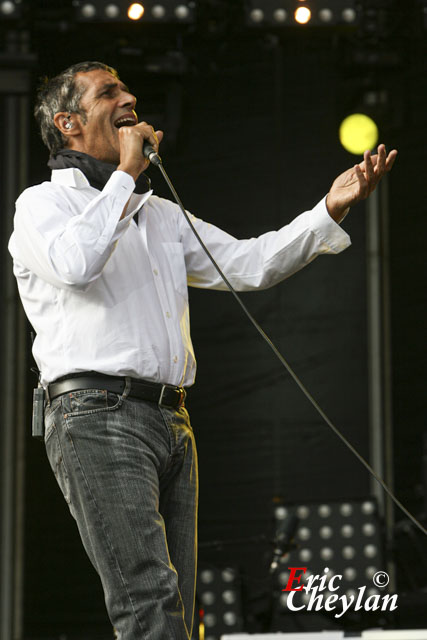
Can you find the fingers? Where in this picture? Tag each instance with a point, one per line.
(148, 133)
(375, 166)
(390, 160)
(363, 183)
(369, 171)
(380, 167)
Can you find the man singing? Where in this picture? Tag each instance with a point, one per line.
(102, 267)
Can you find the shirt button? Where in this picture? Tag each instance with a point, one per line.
(156, 273)
(175, 359)
(168, 315)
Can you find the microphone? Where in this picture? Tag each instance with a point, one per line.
(283, 541)
(150, 153)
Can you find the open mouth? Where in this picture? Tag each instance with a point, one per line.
(128, 120)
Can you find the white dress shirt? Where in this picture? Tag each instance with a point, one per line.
(110, 295)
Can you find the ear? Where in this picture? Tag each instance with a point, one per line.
(67, 123)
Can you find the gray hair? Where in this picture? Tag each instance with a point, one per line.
(62, 93)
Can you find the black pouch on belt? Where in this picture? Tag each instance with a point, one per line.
(38, 413)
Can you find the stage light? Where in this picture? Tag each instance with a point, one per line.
(280, 15)
(370, 572)
(303, 511)
(324, 511)
(349, 15)
(302, 15)
(207, 576)
(283, 577)
(229, 596)
(221, 599)
(182, 12)
(350, 574)
(325, 15)
(280, 513)
(368, 529)
(340, 539)
(357, 133)
(228, 575)
(112, 11)
(346, 509)
(7, 8)
(208, 597)
(347, 531)
(230, 618)
(370, 551)
(305, 555)
(88, 10)
(326, 553)
(153, 11)
(368, 508)
(348, 552)
(325, 532)
(257, 15)
(304, 533)
(158, 11)
(135, 11)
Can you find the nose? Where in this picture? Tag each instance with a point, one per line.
(127, 99)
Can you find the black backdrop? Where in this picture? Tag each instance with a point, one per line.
(253, 142)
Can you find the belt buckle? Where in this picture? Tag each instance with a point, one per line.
(182, 394)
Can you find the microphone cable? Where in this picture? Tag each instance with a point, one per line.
(155, 159)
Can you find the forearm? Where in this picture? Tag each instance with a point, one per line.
(63, 246)
(259, 263)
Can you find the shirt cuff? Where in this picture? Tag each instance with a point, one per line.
(325, 227)
(121, 185)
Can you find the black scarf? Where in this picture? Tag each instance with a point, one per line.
(96, 171)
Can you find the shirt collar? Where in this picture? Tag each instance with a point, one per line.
(72, 177)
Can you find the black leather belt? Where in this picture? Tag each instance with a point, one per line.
(163, 394)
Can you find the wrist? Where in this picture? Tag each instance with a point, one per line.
(336, 211)
(134, 173)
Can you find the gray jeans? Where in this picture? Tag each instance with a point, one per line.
(128, 471)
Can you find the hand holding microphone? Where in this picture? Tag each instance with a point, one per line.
(139, 145)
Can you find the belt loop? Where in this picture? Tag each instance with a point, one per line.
(163, 389)
(128, 387)
(126, 391)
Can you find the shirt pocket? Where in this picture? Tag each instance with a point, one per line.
(174, 252)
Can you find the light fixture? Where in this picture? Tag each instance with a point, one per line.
(158, 11)
(256, 15)
(135, 11)
(293, 13)
(8, 9)
(154, 11)
(88, 10)
(182, 12)
(326, 15)
(112, 11)
(302, 15)
(280, 15)
(219, 592)
(342, 536)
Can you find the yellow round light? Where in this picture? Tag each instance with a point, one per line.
(358, 133)
(302, 15)
(135, 11)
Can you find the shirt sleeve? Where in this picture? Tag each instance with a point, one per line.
(66, 248)
(259, 263)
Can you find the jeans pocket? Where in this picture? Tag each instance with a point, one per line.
(89, 401)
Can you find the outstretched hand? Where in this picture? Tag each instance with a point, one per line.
(357, 183)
